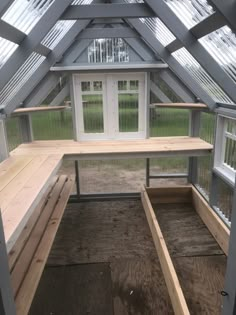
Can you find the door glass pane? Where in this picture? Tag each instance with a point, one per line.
(128, 112)
(85, 86)
(97, 85)
(93, 113)
(122, 85)
(134, 85)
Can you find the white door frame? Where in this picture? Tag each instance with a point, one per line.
(110, 105)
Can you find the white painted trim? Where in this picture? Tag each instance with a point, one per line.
(110, 105)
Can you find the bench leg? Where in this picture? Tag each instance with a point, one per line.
(7, 304)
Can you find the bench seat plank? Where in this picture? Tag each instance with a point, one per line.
(39, 250)
(25, 234)
(22, 205)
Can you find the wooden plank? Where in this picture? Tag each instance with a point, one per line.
(9, 172)
(174, 194)
(26, 256)
(74, 290)
(27, 199)
(158, 146)
(14, 186)
(27, 290)
(176, 294)
(215, 225)
(28, 110)
(19, 245)
(180, 105)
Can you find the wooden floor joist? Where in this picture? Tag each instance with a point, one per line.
(171, 279)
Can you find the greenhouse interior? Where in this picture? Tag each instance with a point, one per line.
(117, 157)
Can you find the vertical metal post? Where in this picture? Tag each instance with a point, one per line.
(26, 128)
(77, 179)
(214, 190)
(147, 172)
(194, 131)
(74, 115)
(229, 300)
(7, 304)
(214, 185)
(4, 151)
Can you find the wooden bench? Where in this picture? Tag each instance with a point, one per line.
(28, 256)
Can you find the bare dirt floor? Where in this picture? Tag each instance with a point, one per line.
(105, 177)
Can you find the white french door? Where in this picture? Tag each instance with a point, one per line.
(110, 106)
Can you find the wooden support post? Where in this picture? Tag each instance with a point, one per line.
(26, 128)
(7, 304)
(4, 151)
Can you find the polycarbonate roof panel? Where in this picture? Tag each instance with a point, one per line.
(81, 2)
(6, 50)
(158, 28)
(22, 75)
(201, 76)
(56, 34)
(161, 32)
(190, 12)
(221, 45)
(24, 14)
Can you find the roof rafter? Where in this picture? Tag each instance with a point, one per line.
(206, 26)
(55, 55)
(227, 9)
(159, 49)
(193, 46)
(121, 32)
(107, 10)
(32, 40)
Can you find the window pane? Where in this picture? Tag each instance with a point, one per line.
(24, 14)
(85, 86)
(97, 85)
(93, 113)
(122, 85)
(108, 50)
(6, 50)
(134, 85)
(128, 112)
(221, 45)
(190, 12)
(201, 76)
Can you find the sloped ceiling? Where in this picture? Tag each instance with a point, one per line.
(194, 37)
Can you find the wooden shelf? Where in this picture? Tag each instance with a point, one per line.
(180, 105)
(28, 110)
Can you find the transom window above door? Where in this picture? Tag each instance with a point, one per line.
(110, 106)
